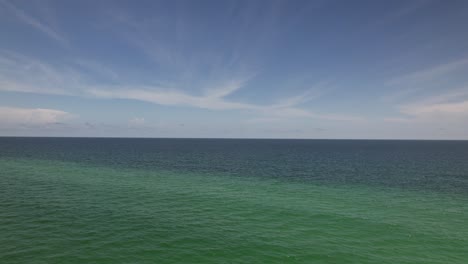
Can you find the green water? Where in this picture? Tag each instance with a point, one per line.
(66, 212)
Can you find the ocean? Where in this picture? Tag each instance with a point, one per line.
(116, 200)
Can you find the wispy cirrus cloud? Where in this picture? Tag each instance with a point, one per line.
(22, 74)
(280, 110)
(450, 106)
(419, 81)
(35, 23)
(428, 74)
(174, 41)
(170, 97)
(97, 68)
(421, 98)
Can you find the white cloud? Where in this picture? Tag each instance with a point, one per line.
(13, 116)
(452, 108)
(137, 121)
(397, 119)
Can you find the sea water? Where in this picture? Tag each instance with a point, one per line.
(91, 200)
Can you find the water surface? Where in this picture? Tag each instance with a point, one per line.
(77, 200)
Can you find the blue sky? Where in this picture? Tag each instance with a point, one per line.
(242, 69)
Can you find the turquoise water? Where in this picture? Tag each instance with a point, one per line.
(176, 201)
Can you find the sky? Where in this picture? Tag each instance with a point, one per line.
(235, 69)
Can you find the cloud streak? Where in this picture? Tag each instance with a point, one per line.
(35, 23)
(19, 73)
(211, 100)
(438, 108)
(428, 74)
(451, 106)
(22, 74)
(418, 81)
(215, 101)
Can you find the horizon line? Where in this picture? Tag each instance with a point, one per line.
(236, 138)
